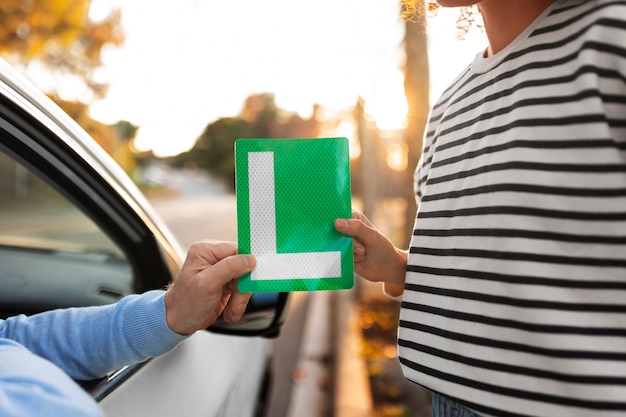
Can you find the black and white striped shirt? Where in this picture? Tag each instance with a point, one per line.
(515, 296)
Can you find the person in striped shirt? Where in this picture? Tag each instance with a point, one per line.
(514, 286)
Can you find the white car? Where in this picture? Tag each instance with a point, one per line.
(76, 231)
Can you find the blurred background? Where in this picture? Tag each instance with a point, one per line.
(166, 87)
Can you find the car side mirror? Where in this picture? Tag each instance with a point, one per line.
(264, 317)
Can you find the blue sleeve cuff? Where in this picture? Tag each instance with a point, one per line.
(146, 327)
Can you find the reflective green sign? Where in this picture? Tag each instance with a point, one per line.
(289, 192)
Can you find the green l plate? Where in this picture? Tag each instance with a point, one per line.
(289, 192)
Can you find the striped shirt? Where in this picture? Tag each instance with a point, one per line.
(515, 295)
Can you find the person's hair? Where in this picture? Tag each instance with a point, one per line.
(411, 8)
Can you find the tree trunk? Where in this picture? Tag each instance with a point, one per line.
(416, 88)
(369, 163)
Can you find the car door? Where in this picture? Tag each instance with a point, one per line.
(75, 231)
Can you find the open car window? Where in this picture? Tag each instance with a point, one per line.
(51, 253)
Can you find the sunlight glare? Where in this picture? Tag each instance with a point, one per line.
(398, 156)
(347, 129)
(210, 64)
(386, 104)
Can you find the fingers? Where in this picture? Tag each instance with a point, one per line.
(223, 276)
(236, 307)
(207, 287)
(358, 227)
(358, 248)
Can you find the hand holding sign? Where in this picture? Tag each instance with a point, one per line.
(289, 192)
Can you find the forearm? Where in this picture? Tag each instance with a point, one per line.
(89, 342)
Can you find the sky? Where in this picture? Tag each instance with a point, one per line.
(186, 63)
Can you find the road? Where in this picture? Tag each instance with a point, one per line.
(201, 208)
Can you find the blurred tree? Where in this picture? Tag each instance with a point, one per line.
(259, 118)
(124, 132)
(116, 139)
(213, 150)
(260, 111)
(416, 88)
(59, 35)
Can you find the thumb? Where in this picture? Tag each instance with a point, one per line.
(230, 268)
(357, 229)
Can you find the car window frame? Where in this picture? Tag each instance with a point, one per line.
(31, 143)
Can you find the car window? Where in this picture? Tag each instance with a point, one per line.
(51, 253)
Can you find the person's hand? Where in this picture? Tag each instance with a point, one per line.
(207, 287)
(375, 257)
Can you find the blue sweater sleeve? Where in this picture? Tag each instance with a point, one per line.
(88, 342)
(32, 386)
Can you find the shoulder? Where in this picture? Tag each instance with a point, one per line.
(31, 385)
(589, 31)
(578, 16)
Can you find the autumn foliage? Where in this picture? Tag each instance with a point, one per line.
(59, 35)
(60, 40)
